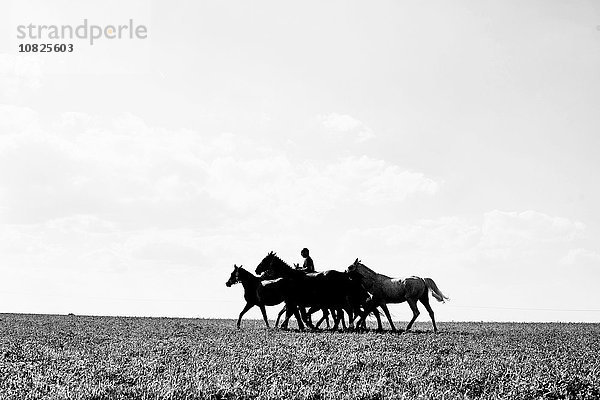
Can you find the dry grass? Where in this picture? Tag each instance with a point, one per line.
(72, 357)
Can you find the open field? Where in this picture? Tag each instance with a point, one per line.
(75, 357)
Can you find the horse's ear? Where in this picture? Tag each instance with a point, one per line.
(356, 261)
(235, 266)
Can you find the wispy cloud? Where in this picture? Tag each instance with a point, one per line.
(113, 169)
(347, 127)
(18, 74)
(581, 257)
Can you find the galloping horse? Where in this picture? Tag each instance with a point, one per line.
(325, 290)
(257, 292)
(385, 290)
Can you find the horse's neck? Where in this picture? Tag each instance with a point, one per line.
(370, 277)
(248, 280)
(283, 269)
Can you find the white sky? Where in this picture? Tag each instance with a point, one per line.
(458, 142)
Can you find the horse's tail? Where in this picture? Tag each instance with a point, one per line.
(435, 292)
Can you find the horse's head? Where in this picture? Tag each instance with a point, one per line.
(234, 277)
(265, 264)
(353, 269)
(296, 266)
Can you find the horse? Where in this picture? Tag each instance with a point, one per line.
(325, 290)
(386, 290)
(325, 316)
(257, 292)
(336, 314)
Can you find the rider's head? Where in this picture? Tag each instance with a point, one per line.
(304, 252)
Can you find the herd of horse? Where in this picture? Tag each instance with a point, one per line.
(358, 291)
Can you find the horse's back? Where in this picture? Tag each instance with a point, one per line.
(414, 287)
(270, 292)
(397, 290)
(322, 288)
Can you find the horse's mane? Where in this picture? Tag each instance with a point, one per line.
(373, 272)
(273, 254)
(246, 271)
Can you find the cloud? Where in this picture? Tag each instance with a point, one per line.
(343, 125)
(516, 229)
(580, 256)
(391, 183)
(508, 240)
(169, 252)
(427, 236)
(18, 74)
(274, 184)
(124, 170)
(15, 119)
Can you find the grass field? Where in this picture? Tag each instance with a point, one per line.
(75, 357)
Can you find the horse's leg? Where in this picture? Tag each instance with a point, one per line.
(325, 317)
(244, 311)
(357, 317)
(369, 306)
(306, 317)
(336, 319)
(378, 317)
(350, 317)
(288, 315)
(320, 321)
(284, 309)
(425, 301)
(362, 322)
(387, 314)
(413, 306)
(341, 318)
(299, 318)
(264, 314)
(358, 314)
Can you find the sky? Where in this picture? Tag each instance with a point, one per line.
(453, 141)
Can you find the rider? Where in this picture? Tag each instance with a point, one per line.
(308, 265)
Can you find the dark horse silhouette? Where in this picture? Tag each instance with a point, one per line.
(325, 290)
(257, 292)
(307, 317)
